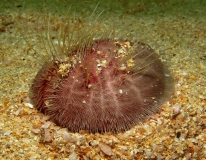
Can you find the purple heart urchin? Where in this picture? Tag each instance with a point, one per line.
(100, 85)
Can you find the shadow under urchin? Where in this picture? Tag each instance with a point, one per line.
(102, 85)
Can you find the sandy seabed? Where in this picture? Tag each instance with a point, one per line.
(177, 131)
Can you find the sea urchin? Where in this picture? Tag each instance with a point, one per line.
(100, 85)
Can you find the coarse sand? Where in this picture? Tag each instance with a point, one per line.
(177, 131)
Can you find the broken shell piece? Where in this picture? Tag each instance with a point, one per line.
(67, 137)
(105, 148)
(47, 136)
(37, 130)
(46, 125)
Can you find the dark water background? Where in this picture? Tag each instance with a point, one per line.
(131, 7)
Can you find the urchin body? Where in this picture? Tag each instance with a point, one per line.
(108, 88)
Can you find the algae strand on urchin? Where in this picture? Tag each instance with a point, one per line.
(98, 83)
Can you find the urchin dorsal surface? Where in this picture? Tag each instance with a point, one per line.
(107, 85)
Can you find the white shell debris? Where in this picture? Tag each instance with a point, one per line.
(28, 105)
